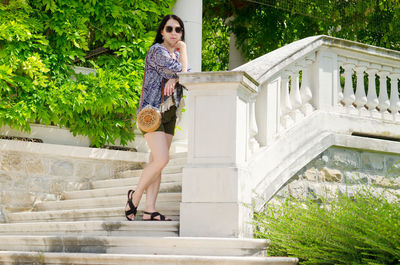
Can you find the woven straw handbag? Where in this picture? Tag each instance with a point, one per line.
(149, 119)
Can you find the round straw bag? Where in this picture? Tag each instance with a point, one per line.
(149, 119)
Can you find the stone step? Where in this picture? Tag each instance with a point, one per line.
(49, 258)
(93, 228)
(137, 172)
(132, 181)
(163, 199)
(115, 191)
(169, 209)
(135, 245)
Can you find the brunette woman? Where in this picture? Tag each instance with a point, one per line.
(165, 58)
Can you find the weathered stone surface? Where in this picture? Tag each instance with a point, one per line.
(311, 174)
(330, 175)
(392, 166)
(34, 166)
(343, 158)
(298, 189)
(382, 181)
(352, 178)
(372, 161)
(84, 169)
(102, 171)
(17, 200)
(62, 168)
(11, 162)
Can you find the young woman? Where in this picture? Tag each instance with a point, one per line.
(165, 58)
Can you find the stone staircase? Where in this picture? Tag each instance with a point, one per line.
(89, 227)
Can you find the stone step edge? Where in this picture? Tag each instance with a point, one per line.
(76, 194)
(72, 151)
(176, 242)
(92, 225)
(90, 258)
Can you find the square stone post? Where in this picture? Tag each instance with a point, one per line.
(325, 87)
(215, 184)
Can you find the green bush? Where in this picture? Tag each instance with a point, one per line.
(361, 229)
(41, 41)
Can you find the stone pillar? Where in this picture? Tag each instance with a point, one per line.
(215, 184)
(325, 92)
(236, 58)
(190, 11)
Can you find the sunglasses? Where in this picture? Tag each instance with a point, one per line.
(177, 29)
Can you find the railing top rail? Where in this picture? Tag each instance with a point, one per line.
(262, 68)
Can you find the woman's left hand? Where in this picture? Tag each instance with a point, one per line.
(170, 87)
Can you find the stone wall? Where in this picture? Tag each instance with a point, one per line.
(27, 178)
(344, 170)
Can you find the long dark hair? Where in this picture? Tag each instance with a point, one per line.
(159, 37)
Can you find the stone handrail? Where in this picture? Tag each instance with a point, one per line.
(321, 62)
(251, 129)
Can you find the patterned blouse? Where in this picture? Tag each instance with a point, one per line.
(160, 67)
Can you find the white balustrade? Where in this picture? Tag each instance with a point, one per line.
(394, 94)
(295, 97)
(286, 106)
(305, 90)
(384, 102)
(341, 60)
(348, 95)
(361, 98)
(372, 98)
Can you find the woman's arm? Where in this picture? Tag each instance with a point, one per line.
(166, 66)
(181, 47)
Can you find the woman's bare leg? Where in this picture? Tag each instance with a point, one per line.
(159, 148)
(154, 188)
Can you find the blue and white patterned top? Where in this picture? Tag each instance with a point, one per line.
(160, 67)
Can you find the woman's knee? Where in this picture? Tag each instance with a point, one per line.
(161, 161)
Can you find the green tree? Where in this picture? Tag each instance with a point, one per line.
(262, 26)
(40, 41)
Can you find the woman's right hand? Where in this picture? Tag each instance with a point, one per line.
(180, 45)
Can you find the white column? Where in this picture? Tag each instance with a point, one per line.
(215, 182)
(295, 97)
(190, 11)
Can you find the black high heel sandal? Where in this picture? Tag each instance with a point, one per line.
(132, 208)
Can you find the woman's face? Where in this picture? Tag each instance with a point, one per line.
(169, 32)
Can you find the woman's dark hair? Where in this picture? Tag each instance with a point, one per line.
(159, 37)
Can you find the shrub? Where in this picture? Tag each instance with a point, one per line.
(363, 229)
(40, 41)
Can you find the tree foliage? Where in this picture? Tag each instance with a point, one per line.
(40, 41)
(265, 25)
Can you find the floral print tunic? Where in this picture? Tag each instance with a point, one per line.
(160, 67)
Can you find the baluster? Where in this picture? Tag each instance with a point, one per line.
(286, 106)
(372, 98)
(295, 97)
(384, 102)
(348, 95)
(361, 98)
(341, 61)
(394, 95)
(253, 144)
(305, 90)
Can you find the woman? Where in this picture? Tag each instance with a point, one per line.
(165, 58)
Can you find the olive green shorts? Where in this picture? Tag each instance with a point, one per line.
(168, 121)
